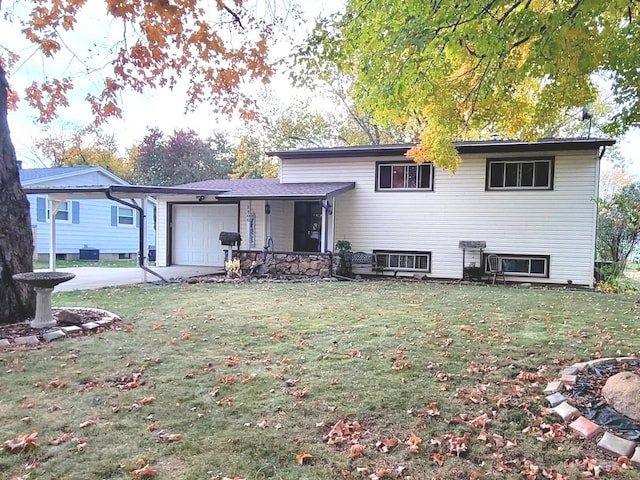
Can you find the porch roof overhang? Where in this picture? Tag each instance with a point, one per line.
(118, 191)
(289, 191)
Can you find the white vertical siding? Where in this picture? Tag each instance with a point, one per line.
(559, 223)
(163, 226)
(282, 225)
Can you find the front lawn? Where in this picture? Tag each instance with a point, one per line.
(368, 380)
(79, 263)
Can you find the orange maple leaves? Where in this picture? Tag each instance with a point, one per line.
(214, 47)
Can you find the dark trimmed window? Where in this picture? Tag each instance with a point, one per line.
(404, 176)
(403, 261)
(520, 174)
(522, 265)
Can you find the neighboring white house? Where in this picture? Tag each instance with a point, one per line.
(89, 229)
(531, 203)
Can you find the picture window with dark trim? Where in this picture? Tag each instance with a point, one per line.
(404, 176)
(516, 174)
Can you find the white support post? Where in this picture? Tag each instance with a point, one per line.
(54, 206)
(323, 236)
(143, 226)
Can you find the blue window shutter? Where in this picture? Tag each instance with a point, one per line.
(114, 216)
(41, 209)
(137, 219)
(75, 212)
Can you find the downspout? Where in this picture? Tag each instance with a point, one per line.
(140, 211)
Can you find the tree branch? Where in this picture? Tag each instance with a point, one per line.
(235, 16)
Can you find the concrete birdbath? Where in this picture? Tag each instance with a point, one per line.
(43, 283)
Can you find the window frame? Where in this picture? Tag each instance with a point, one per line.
(392, 164)
(519, 161)
(133, 217)
(64, 208)
(402, 253)
(527, 257)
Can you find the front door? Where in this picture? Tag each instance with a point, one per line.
(307, 226)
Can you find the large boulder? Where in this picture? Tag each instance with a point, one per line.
(622, 393)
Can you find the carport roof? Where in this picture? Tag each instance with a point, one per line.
(120, 191)
(223, 189)
(270, 189)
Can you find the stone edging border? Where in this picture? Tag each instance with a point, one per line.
(56, 333)
(584, 427)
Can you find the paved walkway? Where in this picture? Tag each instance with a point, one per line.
(97, 277)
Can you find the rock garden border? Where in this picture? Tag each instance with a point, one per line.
(99, 320)
(608, 442)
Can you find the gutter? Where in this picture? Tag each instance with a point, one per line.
(140, 211)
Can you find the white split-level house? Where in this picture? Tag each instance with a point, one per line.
(85, 228)
(530, 203)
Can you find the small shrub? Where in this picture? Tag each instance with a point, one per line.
(233, 268)
(617, 285)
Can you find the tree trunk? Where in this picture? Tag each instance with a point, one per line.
(17, 301)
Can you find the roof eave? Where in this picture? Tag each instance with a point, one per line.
(488, 147)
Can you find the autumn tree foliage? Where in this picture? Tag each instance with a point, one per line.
(468, 70)
(213, 47)
(181, 157)
(619, 226)
(89, 145)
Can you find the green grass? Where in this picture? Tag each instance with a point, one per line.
(304, 356)
(78, 263)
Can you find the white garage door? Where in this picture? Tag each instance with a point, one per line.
(196, 232)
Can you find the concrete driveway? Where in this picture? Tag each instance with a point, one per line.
(97, 277)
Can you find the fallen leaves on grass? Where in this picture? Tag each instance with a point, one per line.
(356, 450)
(344, 432)
(167, 437)
(56, 384)
(21, 442)
(301, 392)
(413, 443)
(532, 377)
(457, 444)
(232, 361)
(145, 471)
(58, 439)
(225, 402)
(304, 458)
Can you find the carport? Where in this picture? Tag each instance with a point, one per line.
(132, 196)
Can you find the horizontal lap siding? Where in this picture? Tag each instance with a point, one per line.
(94, 230)
(559, 223)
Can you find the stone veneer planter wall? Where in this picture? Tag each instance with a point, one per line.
(289, 263)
